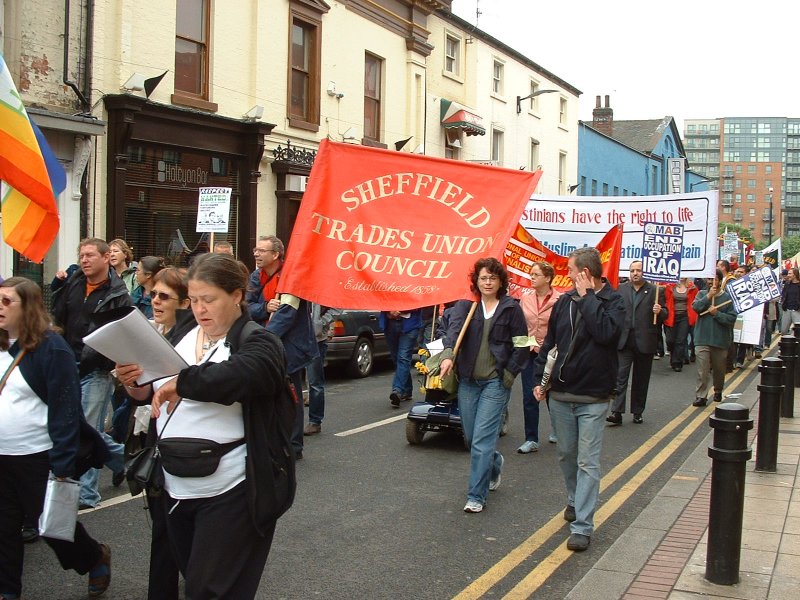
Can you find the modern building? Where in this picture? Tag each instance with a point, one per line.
(631, 158)
(755, 164)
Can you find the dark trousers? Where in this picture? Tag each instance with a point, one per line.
(642, 365)
(677, 339)
(23, 482)
(217, 546)
(162, 583)
(297, 430)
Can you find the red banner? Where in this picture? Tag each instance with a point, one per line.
(523, 250)
(385, 230)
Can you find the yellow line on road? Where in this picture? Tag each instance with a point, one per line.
(519, 554)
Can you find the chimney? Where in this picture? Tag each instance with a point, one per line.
(603, 118)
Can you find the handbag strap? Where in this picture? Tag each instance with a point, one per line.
(10, 368)
(464, 329)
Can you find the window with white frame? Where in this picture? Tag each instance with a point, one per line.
(497, 77)
(452, 51)
(534, 163)
(497, 146)
(562, 111)
(562, 175)
(533, 101)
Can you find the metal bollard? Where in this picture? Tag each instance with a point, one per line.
(788, 354)
(772, 388)
(796, 329)
(729, 453)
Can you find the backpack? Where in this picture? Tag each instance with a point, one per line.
(281, 482)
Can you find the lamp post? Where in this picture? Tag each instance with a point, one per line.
(529, 96)
(770, 215)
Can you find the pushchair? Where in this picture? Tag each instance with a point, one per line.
(439, 410)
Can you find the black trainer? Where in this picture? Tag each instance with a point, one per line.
(578, 542)
(569, 513)
(614, 418)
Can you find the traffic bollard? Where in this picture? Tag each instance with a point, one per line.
(771, 388)
(729, 454)
(788, 354)
(796, 329)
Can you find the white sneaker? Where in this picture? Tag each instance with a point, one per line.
(473, 506)
(528, 447)
(552, 439)
(495, 483)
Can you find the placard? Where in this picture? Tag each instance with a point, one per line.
(757, 287)
(213, 209)
(662, 249)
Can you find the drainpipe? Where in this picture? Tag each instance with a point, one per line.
(65, 79)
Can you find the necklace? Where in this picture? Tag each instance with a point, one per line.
(208, 341)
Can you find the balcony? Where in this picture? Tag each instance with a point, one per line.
(727, 187)
(727, 174)
(765, 217)
(727, 202)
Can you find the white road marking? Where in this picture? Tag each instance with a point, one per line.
(371, 425)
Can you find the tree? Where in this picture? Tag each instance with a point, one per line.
(790, 246)
(744, 233)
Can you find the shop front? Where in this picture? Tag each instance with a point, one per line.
(159, 157)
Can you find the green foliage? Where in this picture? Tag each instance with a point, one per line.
(790, 246)
(744, 232)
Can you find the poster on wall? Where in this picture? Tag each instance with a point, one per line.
(564, 223)
(213, 209)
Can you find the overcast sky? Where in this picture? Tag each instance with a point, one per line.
(690, 59)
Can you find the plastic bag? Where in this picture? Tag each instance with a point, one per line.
(60, 512)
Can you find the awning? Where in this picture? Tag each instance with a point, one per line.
(457, 116)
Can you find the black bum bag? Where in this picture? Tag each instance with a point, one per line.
(193, 457)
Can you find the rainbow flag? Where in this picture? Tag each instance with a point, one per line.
(32, 175)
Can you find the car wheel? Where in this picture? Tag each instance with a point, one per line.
(504, 423)
(362, 360)
(414, 432)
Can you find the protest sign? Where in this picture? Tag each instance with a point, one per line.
(662, 250)
(523, 250)
(387, 230)
(213, 209)
(563, 223)
(757, 287)
(730, 245)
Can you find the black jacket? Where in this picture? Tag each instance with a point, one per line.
(645, 332)
(588, 366)
(73, 311)
(508, 323)
(254, 376)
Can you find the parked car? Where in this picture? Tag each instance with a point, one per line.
(357, 343)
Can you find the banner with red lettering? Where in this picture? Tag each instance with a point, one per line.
(523, 250)
(386, 230)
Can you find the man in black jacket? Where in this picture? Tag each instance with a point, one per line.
(92, 289)
(585, 325)
(637, 344)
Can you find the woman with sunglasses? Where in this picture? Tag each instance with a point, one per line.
(219, 520)
(40, 403)
(149, 266)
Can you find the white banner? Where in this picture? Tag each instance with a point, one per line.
(564, 223)
(747, 329)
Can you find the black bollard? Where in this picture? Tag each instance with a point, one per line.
(729, 453)
(788, 354)
(796, 329)
(773, 375)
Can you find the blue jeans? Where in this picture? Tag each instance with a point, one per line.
(530, 406)
(579, 428)
(96, 390)
(315, 373)
(401, 347)
(481, 404)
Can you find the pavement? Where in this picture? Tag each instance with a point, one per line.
(662, 554)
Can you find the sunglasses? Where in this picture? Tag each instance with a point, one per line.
(6, 301)
(163, 296)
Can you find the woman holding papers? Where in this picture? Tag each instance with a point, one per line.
(40, 424)
(215, 520)
(493, 352)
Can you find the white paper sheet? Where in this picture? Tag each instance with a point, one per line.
(133, 340)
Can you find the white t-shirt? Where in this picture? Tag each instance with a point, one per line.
(206, 420)
(23, 415)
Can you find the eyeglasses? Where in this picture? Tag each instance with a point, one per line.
(262, 250)
(6, 301)
(163, 296)
(490, 279)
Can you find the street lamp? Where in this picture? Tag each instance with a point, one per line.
(770, 215)
(529, 96)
